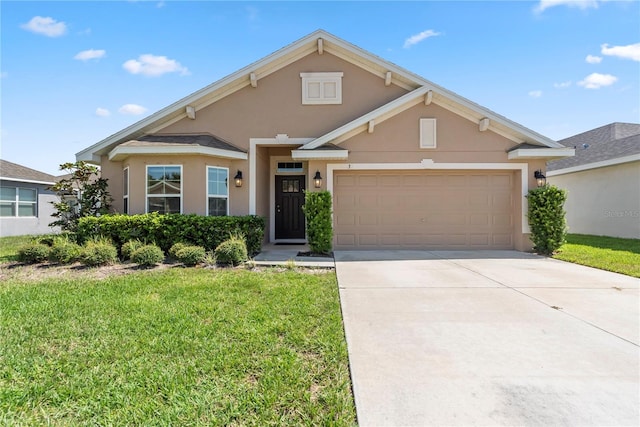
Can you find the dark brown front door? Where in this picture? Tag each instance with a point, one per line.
(289, 201)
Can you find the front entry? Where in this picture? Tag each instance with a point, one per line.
(289, 201)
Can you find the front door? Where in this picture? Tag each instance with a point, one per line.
(289, 202)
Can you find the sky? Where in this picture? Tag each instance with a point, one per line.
(75, 72)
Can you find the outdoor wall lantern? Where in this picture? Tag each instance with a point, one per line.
(238, 179)
(317, 180)
(539, 176)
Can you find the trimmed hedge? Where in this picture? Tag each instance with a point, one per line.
(547, 218)
(317, 212)
(165, 230)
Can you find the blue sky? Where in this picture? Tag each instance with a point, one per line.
(73, 73)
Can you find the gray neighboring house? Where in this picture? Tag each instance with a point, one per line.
(602, 180)
(25, 198)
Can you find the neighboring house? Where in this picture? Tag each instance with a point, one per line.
(25, 200)
(602, 181)
(409, 163)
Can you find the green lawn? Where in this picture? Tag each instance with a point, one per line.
(174, 347)
(9, 246)
(607, 253)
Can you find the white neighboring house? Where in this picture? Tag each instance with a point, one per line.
(25, 200)
(602, 181)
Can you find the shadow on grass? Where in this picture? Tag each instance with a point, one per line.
(605, 242)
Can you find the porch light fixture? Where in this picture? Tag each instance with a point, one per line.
(317, 180)
(539, 176)
(238, 179)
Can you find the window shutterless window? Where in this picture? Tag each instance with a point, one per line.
(125, 190)
(17, 201)
(217, 191)
(164, 189)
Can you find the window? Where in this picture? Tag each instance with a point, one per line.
(164, 189)
(17, 201)
(321, 88)
(290, 167)
(125, 190)
(427, 133)
(217, 191)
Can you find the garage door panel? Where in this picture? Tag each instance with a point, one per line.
(424, 209)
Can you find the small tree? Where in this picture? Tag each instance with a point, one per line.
(317, 212)
(547, 218)
(82, 193)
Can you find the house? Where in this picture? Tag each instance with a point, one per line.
(25, 200)
(602, 181)
(409, 163)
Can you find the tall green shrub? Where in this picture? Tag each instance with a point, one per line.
(317, 212)
(547, 218)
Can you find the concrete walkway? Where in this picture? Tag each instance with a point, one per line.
(489, 338)
(275, 255)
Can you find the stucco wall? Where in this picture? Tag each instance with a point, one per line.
(603, 201)
(30, 225)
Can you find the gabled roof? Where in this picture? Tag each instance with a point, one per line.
(318, 41)
(600, 146)
(14, 172)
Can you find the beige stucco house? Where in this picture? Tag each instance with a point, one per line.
(602, 181)
(409, 163)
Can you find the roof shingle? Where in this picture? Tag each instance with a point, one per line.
(15, 171)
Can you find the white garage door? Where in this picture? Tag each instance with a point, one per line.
(424, 209)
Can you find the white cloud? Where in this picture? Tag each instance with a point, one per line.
(630, 51)
(86, 55)
(152, 65)
(4, 75)
(160, 4)
(102, 112)
(253, 13)
(132, 109)
(581, 4)
(417, 38)
(45, 26)
(597, 80)
(592, 59)
(562, 85)
(535, 93)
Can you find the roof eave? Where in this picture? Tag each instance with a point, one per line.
(541, 153)
(120, 153)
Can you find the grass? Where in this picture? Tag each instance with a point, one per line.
(606, 253)
(9, 246)
(174, 347)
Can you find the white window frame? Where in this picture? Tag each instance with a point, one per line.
(17, 202)
(218, 196)
(146, 186)
(127, 189)
(321, 79)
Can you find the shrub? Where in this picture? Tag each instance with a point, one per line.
(191, 255)
(165, 230)
(173, 251)
(33, 253)
(64, 251)
(232, 251)
(317, 212)
(130, 247)
(148, 255)
(98, 252)
(547, 218)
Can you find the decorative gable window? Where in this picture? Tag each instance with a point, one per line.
(321, 88)
(427, 133)
(16, 201)
(217, 191)
(164, 189)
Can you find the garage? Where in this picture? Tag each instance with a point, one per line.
(424, 209)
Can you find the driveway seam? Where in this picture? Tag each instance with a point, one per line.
(540, 301)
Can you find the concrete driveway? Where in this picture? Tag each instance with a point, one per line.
(489, 338)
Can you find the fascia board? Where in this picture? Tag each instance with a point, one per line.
(119, 152)
(541, 153)
(319, 154)
(594, 165)
(380, 114)
(29, 181)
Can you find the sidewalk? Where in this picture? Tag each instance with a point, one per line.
(284, 254)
